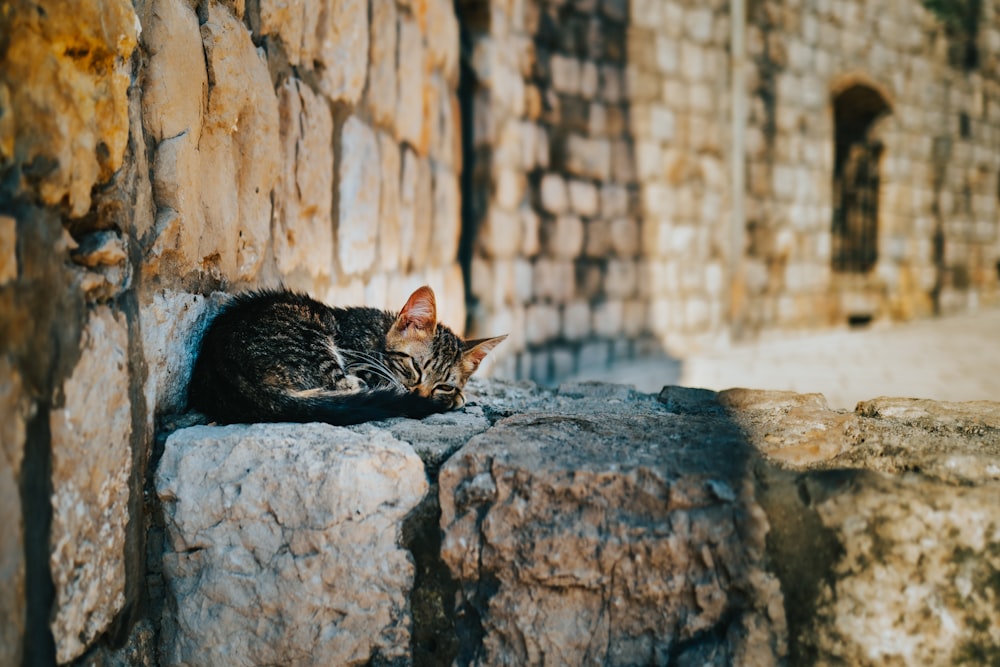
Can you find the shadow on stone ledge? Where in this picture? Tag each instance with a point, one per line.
(590, 525)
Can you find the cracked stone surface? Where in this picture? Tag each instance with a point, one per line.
(281, 545)
(592, 524)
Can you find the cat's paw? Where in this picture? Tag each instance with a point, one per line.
(351, 383)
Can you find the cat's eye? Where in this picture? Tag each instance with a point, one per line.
(445, 389)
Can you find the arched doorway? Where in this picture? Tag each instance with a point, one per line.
(858, 147)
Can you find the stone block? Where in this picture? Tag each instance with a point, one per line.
(541, 323)
(447, 221)
(553, 194)
(530, 232)
(205, 179)
(74, 117)
(298, 524)
(634, 317)
(588, 158)
(172, 325)
(8, 249)
(382, 85)
(608, 318)
(302, 216)
(659, 524)
(360, 180)
(285, 20)
(176, 72)
(598, 239)
(612, 86)
(563, 236)
(565, 72)
(621, 278)
(342, 53)
(588, 80)
(583, 198)
(410, 116)
(443, 42)
(13, 605)
(624, 237)
(576, 320)
(91, 468)
(555, 280)
(444, 124)
(508, 188)
(499, 235)
(390, 251)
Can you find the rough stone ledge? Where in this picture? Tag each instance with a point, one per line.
(590, 525)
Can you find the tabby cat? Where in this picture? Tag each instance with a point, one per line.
(275, 355)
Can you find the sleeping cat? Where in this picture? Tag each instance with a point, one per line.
(275, 355)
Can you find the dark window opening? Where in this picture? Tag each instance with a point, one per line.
(964, 125)
(858, 151)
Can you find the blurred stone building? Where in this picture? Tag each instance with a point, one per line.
(598, 178)
(685, 172)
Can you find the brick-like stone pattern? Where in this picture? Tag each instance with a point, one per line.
(938, 171)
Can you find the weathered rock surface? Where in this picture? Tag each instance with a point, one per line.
(91, 464)
(68, 129)
(597, 528)
(282, 545)
(12, 433)
(590, 525)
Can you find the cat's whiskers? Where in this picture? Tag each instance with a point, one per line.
(373, 365)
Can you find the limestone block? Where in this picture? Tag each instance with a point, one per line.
(442, 44)
(205, 179)
(286, 21)
(565, 72)
(282, 545)
(634, 317)
(172, 324)
(588, 158)
(444, 124)
(563, 237)
(576, 320)
(624, 235)
(176, 77)
(303, 223)
(598, 239)
(447, 221)
(382, 85)
(553, 193)
(541, 323)
(555, 279)
(499, 235)
(583, 197)
(415, 214)
(614, 200)
(8, 249)
(410, 116)
(91, 465)
(390, 250)
(605, 542)
(621, 278)
(342, 53)
(360, 179)
(588, 79)
(530, 228)
(73, 118)
(13, 411)
(608, 318)
(508, 188)
(646, 13)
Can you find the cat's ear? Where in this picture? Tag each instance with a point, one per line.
(474, 351)
(419, 316)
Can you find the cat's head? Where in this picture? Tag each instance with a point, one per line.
(428, 357)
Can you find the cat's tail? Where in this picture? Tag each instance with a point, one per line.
(354, 408)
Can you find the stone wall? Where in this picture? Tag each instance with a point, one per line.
(939, 168)
(164, 154)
